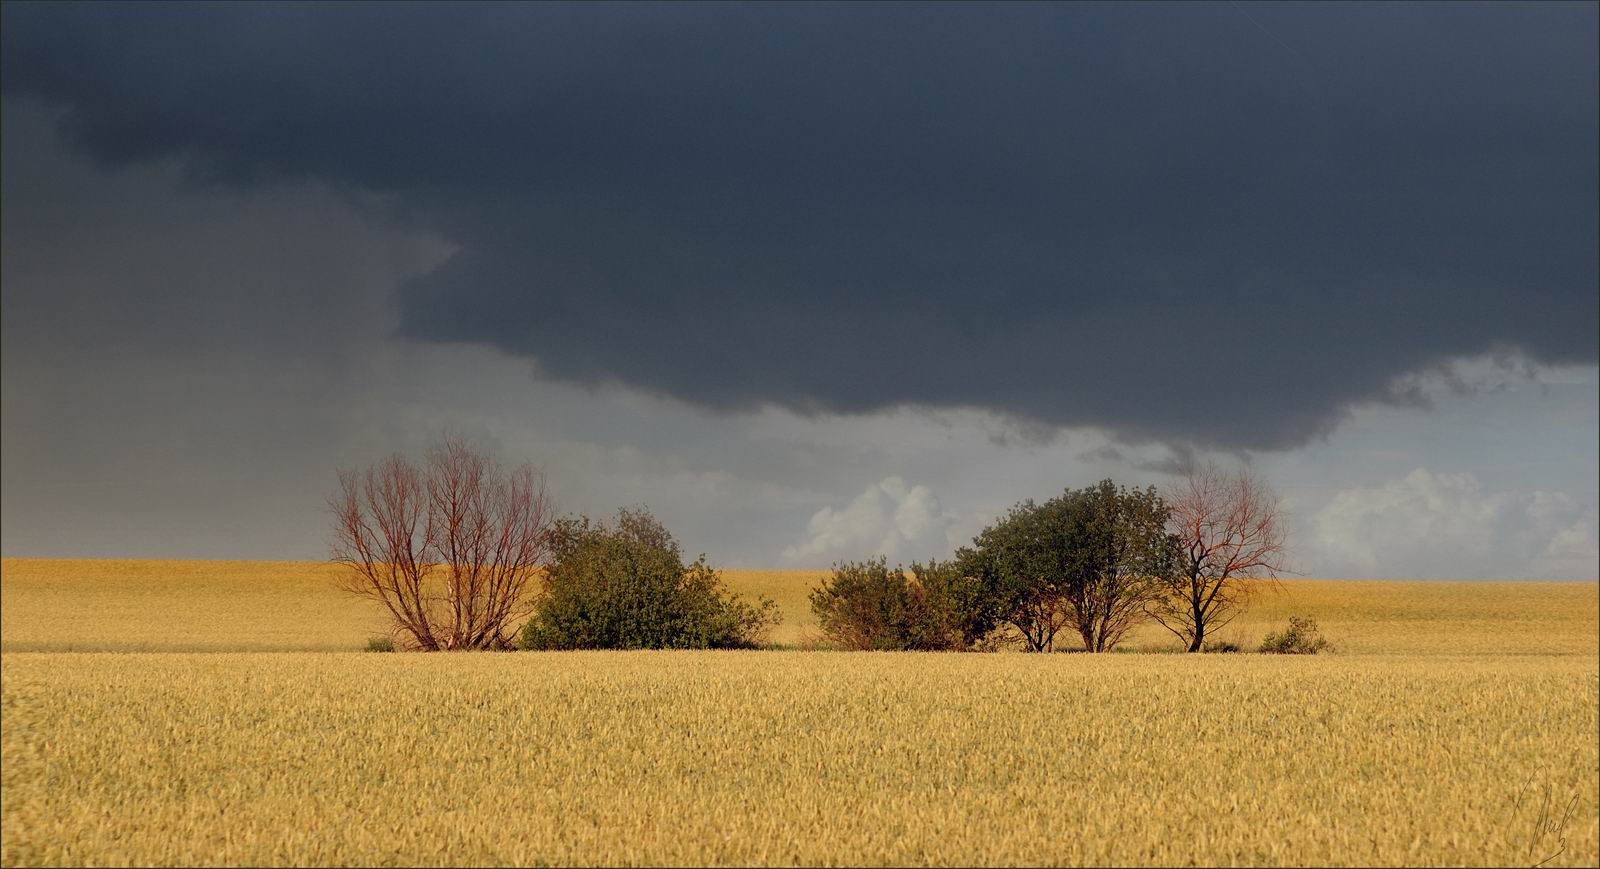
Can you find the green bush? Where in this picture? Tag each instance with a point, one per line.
(869, 606)
(1301, 638)
(623, 585)
(1221, 647)
(963, 603)
(380, 644)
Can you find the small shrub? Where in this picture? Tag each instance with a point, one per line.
(1301, 638)
(869, 606)
(380, 644)
(623, 585)
(1221, 647)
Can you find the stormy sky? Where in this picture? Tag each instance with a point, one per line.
(811, 281)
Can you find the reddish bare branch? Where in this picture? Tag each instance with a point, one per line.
(450, 549)
(1231, 527)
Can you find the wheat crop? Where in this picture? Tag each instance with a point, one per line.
(812, 758)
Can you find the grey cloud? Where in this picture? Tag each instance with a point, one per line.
(1106, 453)
(1152, 219)
(1180, 460)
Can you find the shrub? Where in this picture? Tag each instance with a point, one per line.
(963, 602)
(623, 585)
(868, 606)
(1301, 638)
(380, 644)
(1222, 647)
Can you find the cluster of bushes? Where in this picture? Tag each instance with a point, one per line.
(1096, 562)
(1085, 559)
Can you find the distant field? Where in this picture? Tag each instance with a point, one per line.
(51, 605)
(1458, 724)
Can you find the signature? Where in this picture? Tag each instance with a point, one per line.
(1547, 839)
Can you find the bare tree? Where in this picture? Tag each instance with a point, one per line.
(449, 549)
(1230, 527)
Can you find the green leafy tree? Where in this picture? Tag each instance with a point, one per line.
(1020, 564)
(1090, 558)
(624, 585)
(1119, 558)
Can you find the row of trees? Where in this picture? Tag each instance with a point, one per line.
(1097, 561)
(461, 552)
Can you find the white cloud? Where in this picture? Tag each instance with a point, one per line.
(1428, 524)
(889, 518)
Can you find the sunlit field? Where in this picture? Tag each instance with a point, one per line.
(84, 605)
(1456, 724)
(793, 758)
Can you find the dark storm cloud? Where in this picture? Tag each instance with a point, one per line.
(1214, 224)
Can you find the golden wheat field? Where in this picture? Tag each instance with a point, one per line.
(1458, 724)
